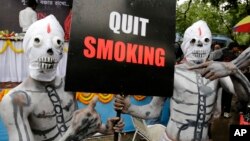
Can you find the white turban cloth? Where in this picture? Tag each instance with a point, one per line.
(196, 43)
(43, 46)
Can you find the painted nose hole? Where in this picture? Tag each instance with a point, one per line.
(50, 51)
(199, 44)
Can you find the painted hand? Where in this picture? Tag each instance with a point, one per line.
(85, 122)
(213, 70)
(122, 103)
(114, 124)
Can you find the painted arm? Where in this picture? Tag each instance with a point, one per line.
(241, 86)
(227, 85)
(151, 110)
(243, 60)
(213, 69)
(15, 108)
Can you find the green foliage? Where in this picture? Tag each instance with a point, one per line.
(200, 11)
(242, 38)
(220, 16)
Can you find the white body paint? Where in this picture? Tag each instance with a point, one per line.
(39, 109)
(185, 103)
(194, 97)
(40, 113)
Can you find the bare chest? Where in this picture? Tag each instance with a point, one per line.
(191, 82)
(52, 112)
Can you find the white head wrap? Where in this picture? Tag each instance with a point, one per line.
(196, 43)
(43, 46)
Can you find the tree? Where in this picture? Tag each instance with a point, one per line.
(229, 4)
(221, 15)
(192, 11)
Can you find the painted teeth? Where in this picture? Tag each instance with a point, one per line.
(46, 62)
(199, 53)
(47, 66)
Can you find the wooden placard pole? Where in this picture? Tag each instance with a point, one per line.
(118, 114)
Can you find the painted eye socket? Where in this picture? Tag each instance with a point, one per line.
(37, 41)
(58, 42)
(206, 40)
(192, 41)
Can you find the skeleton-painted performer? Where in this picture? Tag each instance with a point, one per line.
(39, 109)
(194, 97)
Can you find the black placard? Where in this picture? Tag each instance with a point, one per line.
(122, 46)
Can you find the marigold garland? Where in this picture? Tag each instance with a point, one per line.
(3, 93)
(8, 43)
(4, 48)
(139, 97)
(85, 98)
(105, 98)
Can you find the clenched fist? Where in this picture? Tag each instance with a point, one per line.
(122, 103)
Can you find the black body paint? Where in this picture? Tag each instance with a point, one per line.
(55, 99)
(18, 105)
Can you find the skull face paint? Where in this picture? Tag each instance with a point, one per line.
(43, 46)
(196, 43)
